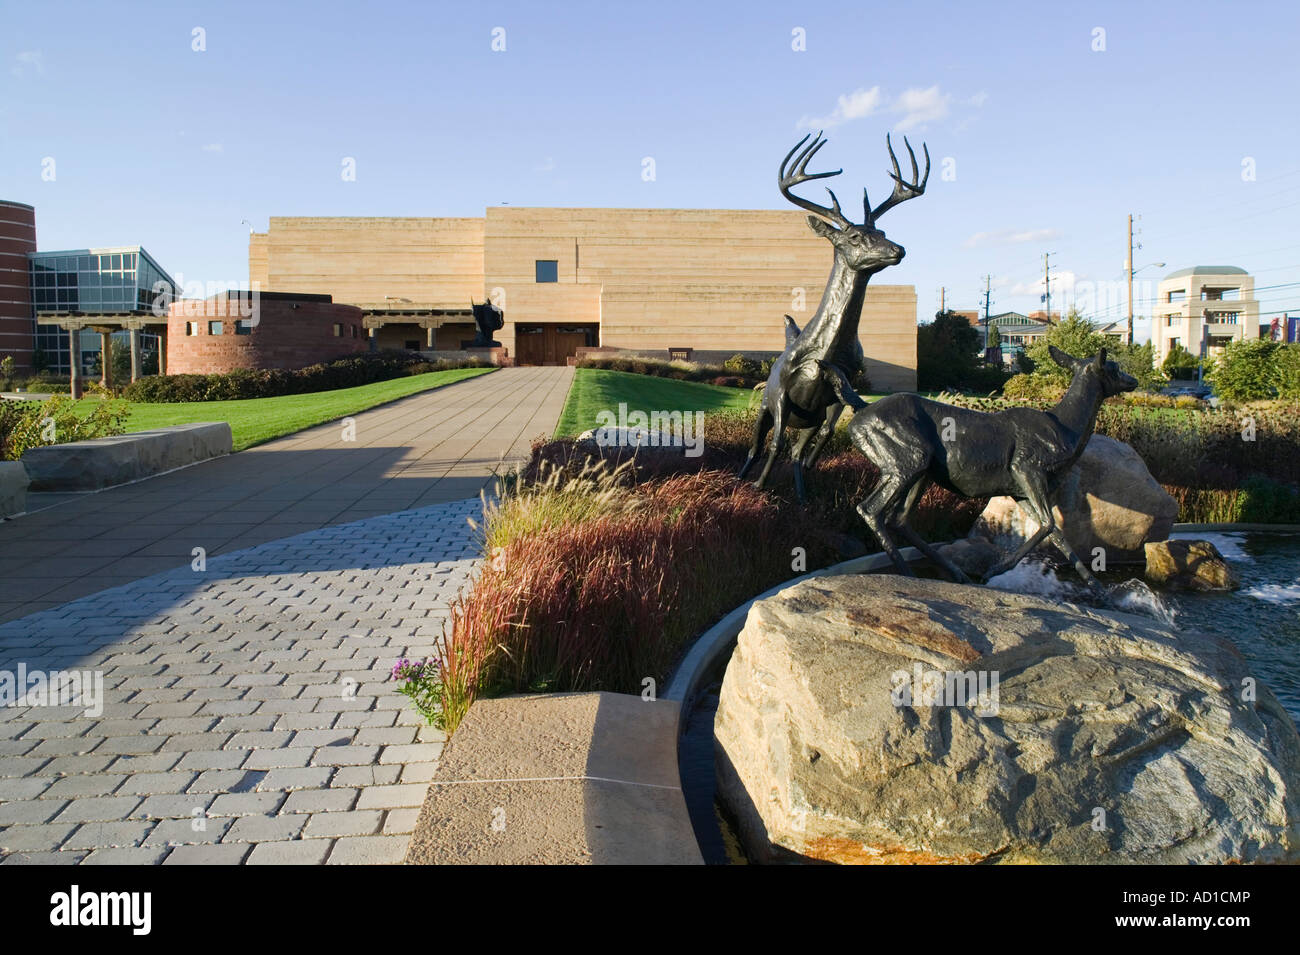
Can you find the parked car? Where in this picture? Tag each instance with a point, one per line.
(1192, 388)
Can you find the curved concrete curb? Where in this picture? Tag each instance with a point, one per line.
(699, 661)
(1229, 528)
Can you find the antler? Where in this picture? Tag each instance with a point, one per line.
(903, 190)
(799, 173)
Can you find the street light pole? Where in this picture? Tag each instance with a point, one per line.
(1130, 279)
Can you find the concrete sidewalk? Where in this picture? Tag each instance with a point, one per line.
(426, 449)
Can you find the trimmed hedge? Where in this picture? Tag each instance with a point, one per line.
(731, 374)
(737, 371)
(274, 382)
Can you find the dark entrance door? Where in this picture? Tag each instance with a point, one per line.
(550, 343)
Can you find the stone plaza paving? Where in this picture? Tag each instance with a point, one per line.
(249, 715)
(428, 448)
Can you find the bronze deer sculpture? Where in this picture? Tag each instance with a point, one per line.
(799, 394)
(1020, 452)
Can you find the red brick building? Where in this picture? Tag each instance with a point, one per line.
(269, 330)
(17, 239)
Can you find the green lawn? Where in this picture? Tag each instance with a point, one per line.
(597, 389)
(255, 420)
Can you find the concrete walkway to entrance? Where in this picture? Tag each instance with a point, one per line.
(427, 449)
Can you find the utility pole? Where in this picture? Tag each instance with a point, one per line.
(1130, 279)
(988, 281)
(1047, 286)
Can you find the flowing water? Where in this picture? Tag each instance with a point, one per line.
(1262, 619)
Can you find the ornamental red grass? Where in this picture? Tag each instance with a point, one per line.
(606, 603)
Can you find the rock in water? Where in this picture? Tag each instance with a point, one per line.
(885, 719)
(1109, 499)
(1189, 565)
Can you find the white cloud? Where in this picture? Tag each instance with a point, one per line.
(1062, 281)
(548, 165)
(915, 106)
(855, 105)
(1011, 237)
(212, 148)
(32, 60)
(920, 107)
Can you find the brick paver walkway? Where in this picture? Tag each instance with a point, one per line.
(248, 713)
(425, 449)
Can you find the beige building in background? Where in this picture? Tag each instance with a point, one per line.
(711, 281)
(1203, 308)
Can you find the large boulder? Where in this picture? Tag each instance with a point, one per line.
(1189, 565)
(884, 719)
(1109, 499)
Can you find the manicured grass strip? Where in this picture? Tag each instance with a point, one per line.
(255, 420)
(596, 389)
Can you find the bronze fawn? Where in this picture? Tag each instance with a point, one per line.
(798, 395)
(1020, 452)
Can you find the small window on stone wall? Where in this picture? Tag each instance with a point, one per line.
(338, 330)
(214, 328)
(244, 326)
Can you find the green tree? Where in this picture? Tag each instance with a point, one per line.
(947, 352)
(1287, 371)
(1074, 335)
(995, 336)
(1246, 370)
(1139, 361)
(1180, 363)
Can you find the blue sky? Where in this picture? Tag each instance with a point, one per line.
(1050, 143)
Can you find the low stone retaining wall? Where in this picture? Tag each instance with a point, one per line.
(104, 462)
(13, 488)
(561, 778)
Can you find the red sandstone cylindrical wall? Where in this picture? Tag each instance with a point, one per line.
(285, 334)
(17, 238)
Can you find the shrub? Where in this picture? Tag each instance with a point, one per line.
(1286, 372)
(273, 382)
(684, 371)
(741, 365)
(1034, 387)
(24, 424)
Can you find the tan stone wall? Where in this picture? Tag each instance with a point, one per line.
(432, 262)
(257, 261)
